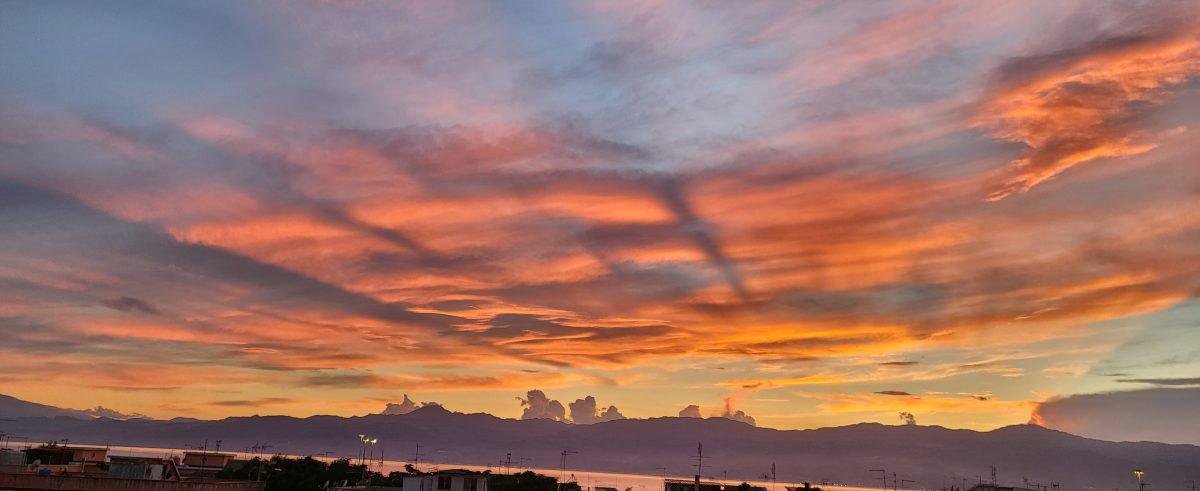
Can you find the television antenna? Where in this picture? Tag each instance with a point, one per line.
(699, 458)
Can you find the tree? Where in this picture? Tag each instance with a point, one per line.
(527, 481)
(306, 474)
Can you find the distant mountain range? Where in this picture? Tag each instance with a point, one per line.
(11, 407)
(933, 456)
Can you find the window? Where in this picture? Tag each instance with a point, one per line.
(443, 482)
(471, 484)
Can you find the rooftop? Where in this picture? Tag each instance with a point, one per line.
(691, 481)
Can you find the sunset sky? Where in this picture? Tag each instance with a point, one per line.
(817, 213)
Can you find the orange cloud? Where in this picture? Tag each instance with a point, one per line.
(1078, 110)
(700, 198)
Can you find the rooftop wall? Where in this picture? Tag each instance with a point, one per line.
(75, 483)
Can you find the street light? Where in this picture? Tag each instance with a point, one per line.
(371, 442)
(1139, 473)
(362, 447)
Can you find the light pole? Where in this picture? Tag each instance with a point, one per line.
(362, 447)
(1141, 485)
(372, 443)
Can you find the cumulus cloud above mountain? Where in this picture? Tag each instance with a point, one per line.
(610, 414)
(583, 411)
(406, 406)
(731, 412)
(538, 406)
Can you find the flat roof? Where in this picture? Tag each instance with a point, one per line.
(691, 481)
(460, 472)
(136, 458)
(65, 447)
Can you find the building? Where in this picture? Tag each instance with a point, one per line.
(448, 480)
(9, 456)
(28, 481)
(143, 468)
(990, 487)
(686, 485)
(371, 487)
(64, 455)
(207, 459)
(203, 464)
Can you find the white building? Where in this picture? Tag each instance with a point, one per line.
(449, 480)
